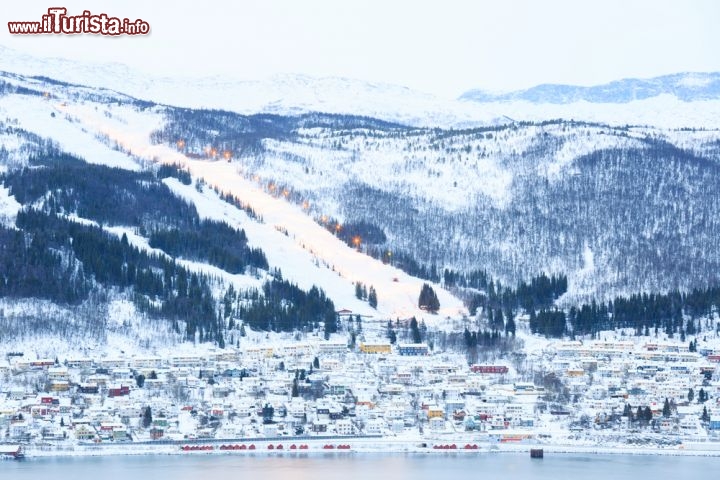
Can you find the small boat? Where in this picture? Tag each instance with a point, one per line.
(536, 453)
(12, 452)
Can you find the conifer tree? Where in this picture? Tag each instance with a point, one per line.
(415, 331)
(372, 297)
(147, 417)
(510, 326)
(666, 408)
(428, 299)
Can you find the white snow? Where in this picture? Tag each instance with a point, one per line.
(292, 94)
(574, 148)
(306, 252)
(694, 80)
(411, 166)
(9, 207)
(308, 255)
(588, 260)
(34, 114)
(663, 111)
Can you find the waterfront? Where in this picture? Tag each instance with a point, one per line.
(352, 466)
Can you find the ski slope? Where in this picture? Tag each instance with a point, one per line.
(304, 251)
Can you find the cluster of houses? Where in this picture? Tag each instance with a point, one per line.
(327, 388)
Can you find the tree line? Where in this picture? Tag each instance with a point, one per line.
(675, 313)
(284, 307)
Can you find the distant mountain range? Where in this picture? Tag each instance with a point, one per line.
(663, 102)
(688, 87)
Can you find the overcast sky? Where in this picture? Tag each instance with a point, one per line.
(442, 47)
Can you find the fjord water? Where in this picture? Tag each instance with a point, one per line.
(362, 466)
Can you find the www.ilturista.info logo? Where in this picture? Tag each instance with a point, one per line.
(57, 22)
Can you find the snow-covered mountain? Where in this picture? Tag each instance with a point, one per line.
(336, 199)
(282, 94)
(45, 120)
(688, 87)
(502, 199)
(676, 101)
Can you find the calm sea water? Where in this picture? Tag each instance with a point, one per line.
(362, 466)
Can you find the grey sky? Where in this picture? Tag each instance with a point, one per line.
(442, 47)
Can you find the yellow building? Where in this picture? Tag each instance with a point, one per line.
(434, 411)
(59, 385)
(375, 348)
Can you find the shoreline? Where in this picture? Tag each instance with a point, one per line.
(353, 445)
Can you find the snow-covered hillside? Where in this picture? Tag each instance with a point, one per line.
(282, 94)
(292, 94)
(508, 199)
(517, 200)
(118, 136)
(617, 209)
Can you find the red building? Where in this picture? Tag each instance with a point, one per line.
(489, 369)
(119, 391)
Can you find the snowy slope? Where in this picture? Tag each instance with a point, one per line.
(8, 207)
(292, 94)
(308, 255)
(306, 243)
(663, 111)
(284, 94)
(45, 118)
(447, 197)
(240, 282)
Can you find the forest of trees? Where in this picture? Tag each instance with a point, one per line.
(119, 197)
(50, 256)
(541, 292)
(29, 268)
(86, 256)
(618, 205)
(284, 307)
(109, 196)
(617, 196)
(213, 242)
(242, 135)
(356, 234)
(674, 313)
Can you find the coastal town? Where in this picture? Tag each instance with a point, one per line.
(311, 393)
